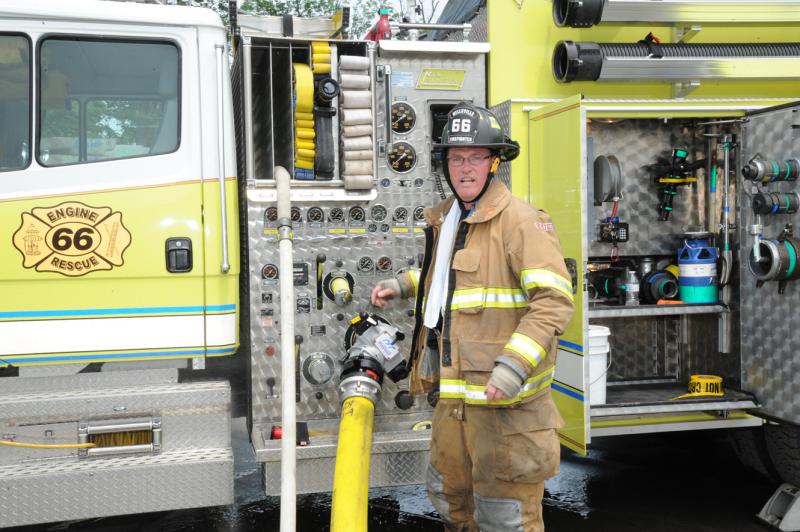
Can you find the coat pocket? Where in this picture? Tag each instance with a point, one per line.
(468, 294)
(477, 359)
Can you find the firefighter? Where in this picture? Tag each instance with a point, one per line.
(492, 296)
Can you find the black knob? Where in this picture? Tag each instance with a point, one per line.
(321, 257)
(319, 396)
(339, 263)
(404, 400)
(339, 317)
(410, 313)
(410, 261)
(298, 339)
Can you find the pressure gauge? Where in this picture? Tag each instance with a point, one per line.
(384, 264)
(378, 213)
(269, 271)
(400, 215)
(403, 117)
(402, 157)
(419, 213)
(296, 216)
(365, 264)
(336, 215)
(315, 215)
(356, 214)
(272, 214)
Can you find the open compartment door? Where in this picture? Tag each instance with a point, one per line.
(557, 159)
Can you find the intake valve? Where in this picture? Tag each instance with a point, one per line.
(338, 287)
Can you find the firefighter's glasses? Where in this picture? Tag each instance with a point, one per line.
(473, 160)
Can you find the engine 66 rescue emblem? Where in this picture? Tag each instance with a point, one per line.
(72, 239)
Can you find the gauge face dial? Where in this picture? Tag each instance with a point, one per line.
(269, 271)
(356, 214)
(366, 264)
(378, 213)
(315, 215)
(336, 215)
(271, 214)
(296, 216)
(403, 117)
(402, 158)
(400, 214)
(384, 264)
(419, 213)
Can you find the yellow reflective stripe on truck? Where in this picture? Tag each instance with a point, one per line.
(537, 278)
(475, 394)
(489, 298)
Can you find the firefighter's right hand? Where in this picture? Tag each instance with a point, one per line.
(385, 291)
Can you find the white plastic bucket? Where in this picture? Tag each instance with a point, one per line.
(598, 363)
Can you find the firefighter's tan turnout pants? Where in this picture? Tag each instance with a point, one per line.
(487, 471)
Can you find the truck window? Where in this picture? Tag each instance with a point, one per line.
(104, 100)
(15, 102)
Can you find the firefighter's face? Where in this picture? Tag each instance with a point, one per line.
(469, 169)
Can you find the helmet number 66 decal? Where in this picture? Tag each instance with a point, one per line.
(72, 239)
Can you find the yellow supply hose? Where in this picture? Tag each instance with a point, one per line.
(303, 88)
(306, 144)
(351, 475)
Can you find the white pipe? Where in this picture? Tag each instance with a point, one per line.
(288, 414)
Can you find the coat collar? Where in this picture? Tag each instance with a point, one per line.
(496, 198)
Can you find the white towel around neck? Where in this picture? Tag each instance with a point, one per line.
(437, 295)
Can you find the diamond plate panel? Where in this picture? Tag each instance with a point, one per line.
(769, 333)
(315, 475)
(479, 31)
(47, 491)
(636, 144)
(97, 379)
(643, 347)
(193, 416)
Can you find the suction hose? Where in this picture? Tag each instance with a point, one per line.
(288, 414)
(351, 476)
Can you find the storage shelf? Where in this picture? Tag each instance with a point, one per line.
(659, 398)
(608, 311)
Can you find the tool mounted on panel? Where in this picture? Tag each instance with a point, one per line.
(608, 185)
(670, 174)
(773, 260)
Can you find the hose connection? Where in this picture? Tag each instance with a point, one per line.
(372, 353)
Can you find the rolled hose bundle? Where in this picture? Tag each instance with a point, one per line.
(357, 118)
(304, 131)
(583, 61)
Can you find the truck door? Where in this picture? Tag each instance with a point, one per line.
(101, 239)
(557, 155)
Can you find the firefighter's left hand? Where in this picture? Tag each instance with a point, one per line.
(495, 394)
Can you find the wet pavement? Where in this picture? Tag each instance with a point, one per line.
(653, 483)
